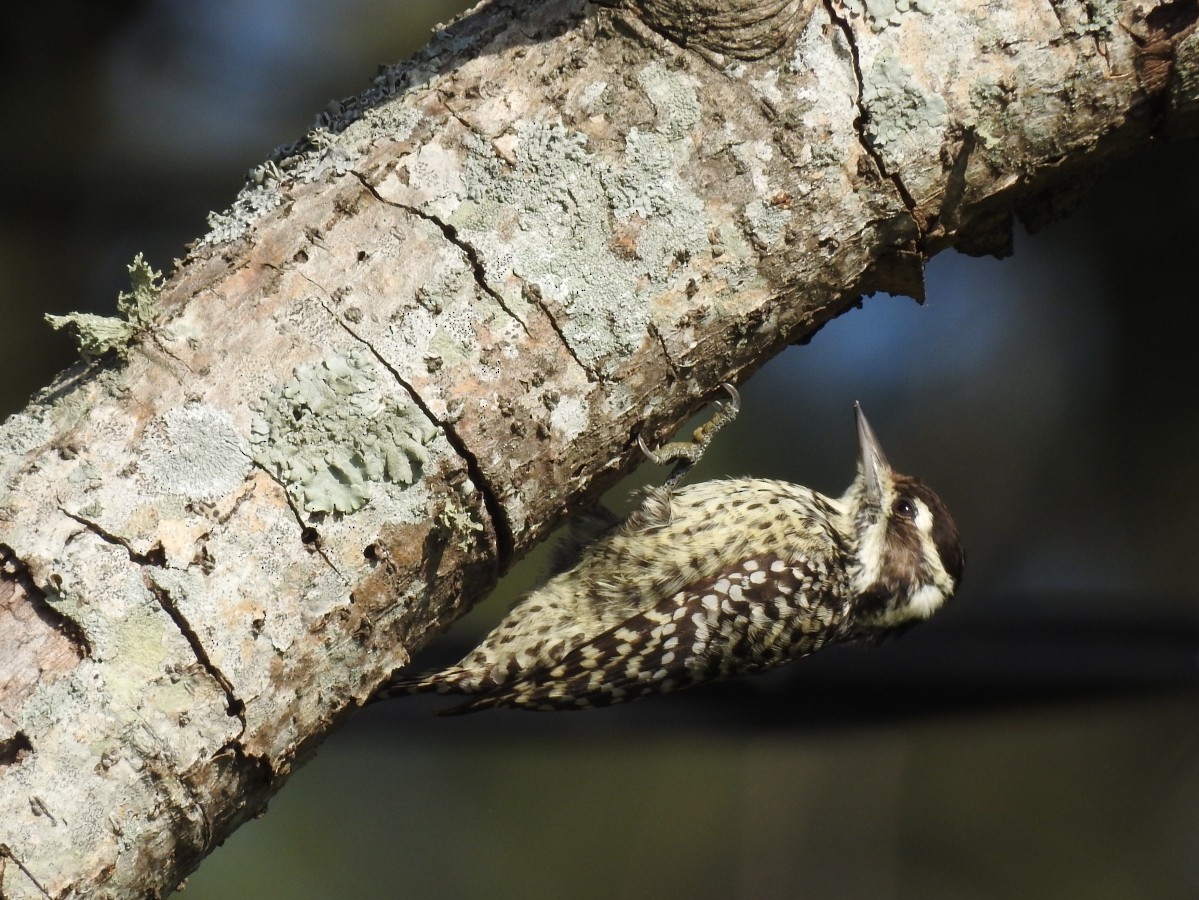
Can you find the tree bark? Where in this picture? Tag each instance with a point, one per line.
(432, 328)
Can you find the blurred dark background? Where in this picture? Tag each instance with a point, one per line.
(1038, 739)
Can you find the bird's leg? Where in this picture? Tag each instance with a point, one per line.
(685, 454)
(595, 521)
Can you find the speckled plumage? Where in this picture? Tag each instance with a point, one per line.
(712, 580)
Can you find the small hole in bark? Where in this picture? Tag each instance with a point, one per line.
(15, 749)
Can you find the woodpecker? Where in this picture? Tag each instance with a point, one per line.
(713, 580)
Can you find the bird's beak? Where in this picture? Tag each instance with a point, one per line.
(874, 465)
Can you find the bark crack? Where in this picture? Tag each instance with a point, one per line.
(6, 853)
(1057, 14)
(503, 532)
(501, 526)
(154, 559)
(533, 293)
(14, 567)
(451, 235)
(233, 706)
(472, 257)
(298, 515)
(670, 364)
(39, 807)
(863, 116)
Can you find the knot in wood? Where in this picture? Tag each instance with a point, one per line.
(745, 29)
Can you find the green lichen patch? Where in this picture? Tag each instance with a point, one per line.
(897, 104)
(994, 104)
(99, 335)
(458, 520)
(332, 433)
(882, 13)
(1101, 18)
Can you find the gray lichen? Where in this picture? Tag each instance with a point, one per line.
(881, 13)
(253, 202)
(330, 148)
(993, 104)
(595, 237)
(897, 104)
(332, 433)
(1101, 18)
(674, 99)
(98, 335)
(767, 222)
(193, 451)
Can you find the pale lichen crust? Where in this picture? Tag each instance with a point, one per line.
(193, 451)
(334, 432)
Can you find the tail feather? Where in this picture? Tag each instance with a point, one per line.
(455, 680)
(474, 703)
(477, 694)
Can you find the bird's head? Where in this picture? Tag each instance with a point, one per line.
(907, 559)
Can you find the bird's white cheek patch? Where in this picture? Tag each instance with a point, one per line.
(924, 517)
(926, 601)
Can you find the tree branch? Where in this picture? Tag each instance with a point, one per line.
(432, 328)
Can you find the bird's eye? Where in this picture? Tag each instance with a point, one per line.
(904, 507)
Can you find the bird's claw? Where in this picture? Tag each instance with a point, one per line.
(685, 454)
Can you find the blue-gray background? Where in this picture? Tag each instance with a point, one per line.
(1037, 740)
